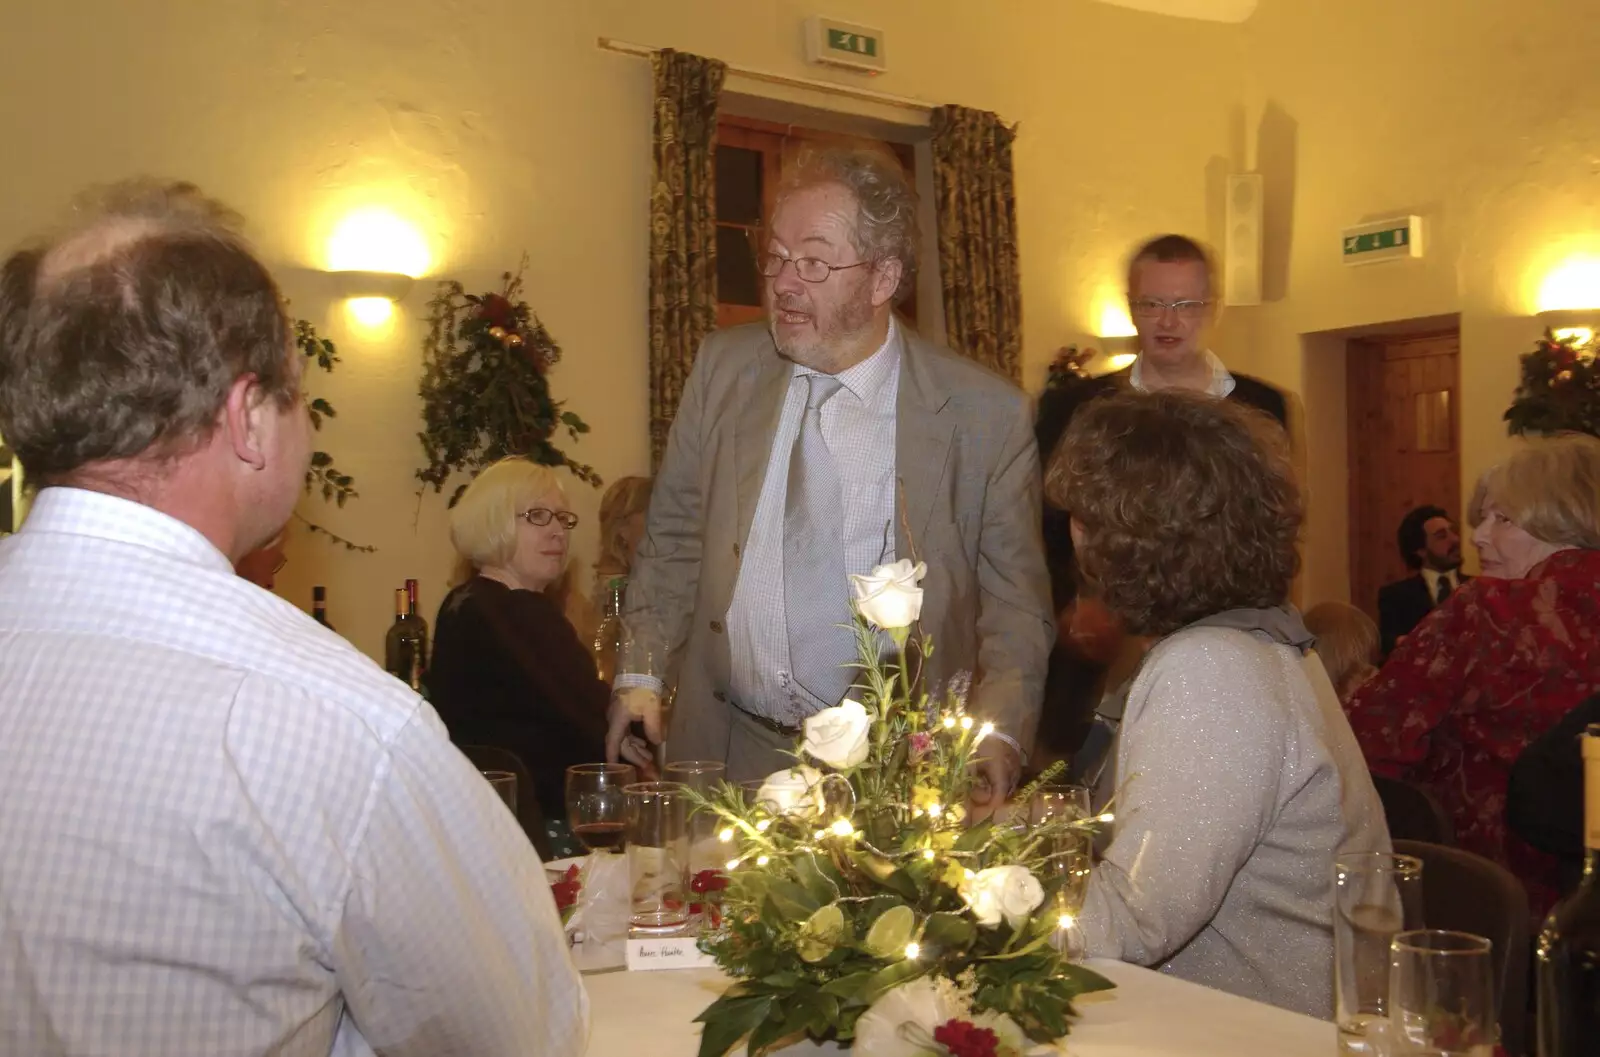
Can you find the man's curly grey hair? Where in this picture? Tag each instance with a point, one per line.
(886, 222)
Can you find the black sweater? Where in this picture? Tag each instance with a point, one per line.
(508, 670)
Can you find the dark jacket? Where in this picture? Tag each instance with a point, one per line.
(1401, 607)
(508, 670)
(1544, 797)
(1071, 680)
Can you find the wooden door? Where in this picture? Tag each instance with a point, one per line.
(1404, 448)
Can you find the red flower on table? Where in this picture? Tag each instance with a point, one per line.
(566, 890)
(707, 881)
(920, 742)
(962, 1038)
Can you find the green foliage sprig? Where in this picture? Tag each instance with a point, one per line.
(485, 386)
(323, 476)
(832, 903)
(1559, 390)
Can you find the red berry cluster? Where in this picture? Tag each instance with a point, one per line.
(965, 1039)
(566, 890)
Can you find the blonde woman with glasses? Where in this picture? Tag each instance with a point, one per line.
(508, 669)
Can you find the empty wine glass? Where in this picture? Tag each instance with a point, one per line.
(505, 784)
(1441, 995)
(596, 804)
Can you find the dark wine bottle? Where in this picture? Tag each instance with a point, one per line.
(1569, 944)
(405, 648)
(319, 606)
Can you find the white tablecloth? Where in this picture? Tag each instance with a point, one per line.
(1149, 1014)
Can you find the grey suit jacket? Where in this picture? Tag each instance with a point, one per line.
(970, 493)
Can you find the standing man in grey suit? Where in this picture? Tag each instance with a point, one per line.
(822, 443)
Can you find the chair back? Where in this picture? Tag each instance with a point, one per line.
(529, 813)
(1413, 812)
(1468, 893)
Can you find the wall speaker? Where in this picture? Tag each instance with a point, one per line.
(1241, 265)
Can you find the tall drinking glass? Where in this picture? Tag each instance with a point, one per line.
(596, 803)
(658, 841)
(505, 784)
(1441, 995)
(701, 777)
(1376, 895)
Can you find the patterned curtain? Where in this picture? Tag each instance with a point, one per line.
(683, 228)
(978, 237)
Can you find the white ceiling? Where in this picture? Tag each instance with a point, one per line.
(1209, 10)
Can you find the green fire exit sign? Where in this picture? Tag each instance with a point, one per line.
(845, 44)
(1383, 240)
(852, 43)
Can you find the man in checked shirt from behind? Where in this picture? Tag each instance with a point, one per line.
(223, 831)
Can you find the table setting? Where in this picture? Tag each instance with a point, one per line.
(849, 905)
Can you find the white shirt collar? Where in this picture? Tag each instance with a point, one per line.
(79, 512)
(1222, 382)
(866, 378)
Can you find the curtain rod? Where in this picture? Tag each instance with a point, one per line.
(867, 94)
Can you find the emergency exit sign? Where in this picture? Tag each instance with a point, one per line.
(1383, 240)
(845, 44)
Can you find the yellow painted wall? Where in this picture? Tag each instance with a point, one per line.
(500, 127)
(1482, 117)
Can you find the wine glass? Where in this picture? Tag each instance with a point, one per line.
(643, 653)
(595, 803)
(1441, 995)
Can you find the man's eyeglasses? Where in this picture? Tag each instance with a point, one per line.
(541, 517)
(1150, 307)
(811, 269)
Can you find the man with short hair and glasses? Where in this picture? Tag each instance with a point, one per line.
(222, 829)
(818, 444)
(1172, 299)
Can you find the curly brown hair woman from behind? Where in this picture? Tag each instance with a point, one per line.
(1238, 777)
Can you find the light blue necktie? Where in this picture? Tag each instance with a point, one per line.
(816, 596)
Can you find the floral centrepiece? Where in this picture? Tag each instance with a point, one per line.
(860, 906)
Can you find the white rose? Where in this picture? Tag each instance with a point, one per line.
(889, 597)
(923, 1003)
(798, 789)
(839, 736)
(1009, 892)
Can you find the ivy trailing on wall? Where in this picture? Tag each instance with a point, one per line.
(485, 387)
(335, 486)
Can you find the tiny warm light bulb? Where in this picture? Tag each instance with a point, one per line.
(949, 721)
(927, 853)
(985, 730)
(761, 827)
(912, 950)
(726, 835)
(966, 722)
(1107, 817)
(819, 834)
(762, 860)
(843, 828)
(732, 864)
(1066, 921)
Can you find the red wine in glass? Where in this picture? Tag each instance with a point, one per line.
(599, 836)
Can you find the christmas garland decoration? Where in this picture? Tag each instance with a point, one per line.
(1559, 390)
(485, 387)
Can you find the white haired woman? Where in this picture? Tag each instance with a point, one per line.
(508, 669)
(1505, 658)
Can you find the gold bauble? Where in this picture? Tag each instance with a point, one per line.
(514, 340)
(1564, 377)
(497, 333)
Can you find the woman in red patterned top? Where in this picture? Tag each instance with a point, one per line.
(1505, 658)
